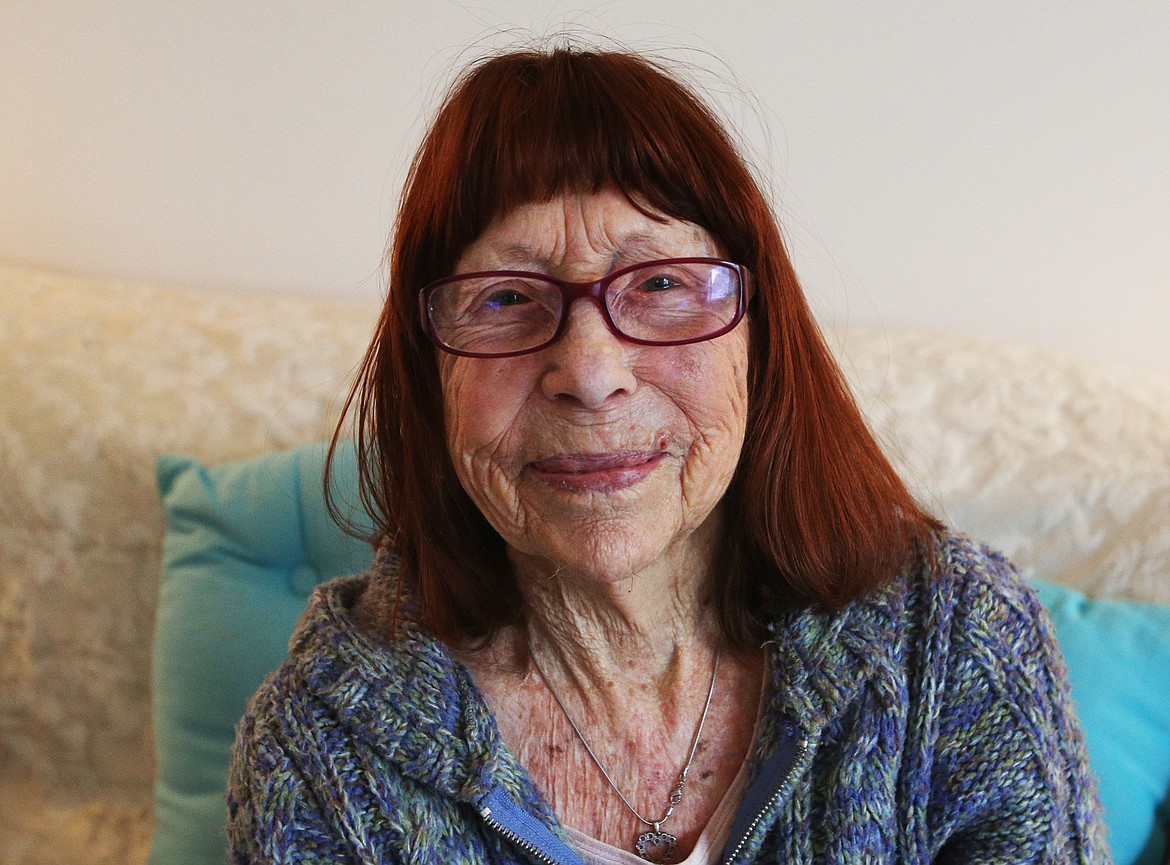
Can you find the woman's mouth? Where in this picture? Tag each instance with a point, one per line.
(596, 473)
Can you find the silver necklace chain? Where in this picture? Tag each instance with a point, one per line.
(657, 838)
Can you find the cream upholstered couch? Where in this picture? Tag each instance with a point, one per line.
(96, 379)
(1064, 465)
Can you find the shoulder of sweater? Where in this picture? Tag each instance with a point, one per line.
(326, 648)
(993, 618)
(985, 592)
(959, 586)
(400, 699)
(962, 610)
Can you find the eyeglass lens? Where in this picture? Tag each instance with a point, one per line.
(664, 302)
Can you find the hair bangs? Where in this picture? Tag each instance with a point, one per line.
(536, 126)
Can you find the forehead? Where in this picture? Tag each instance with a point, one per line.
(597, 230)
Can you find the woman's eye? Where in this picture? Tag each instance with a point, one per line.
(659, 283)
(506, 297)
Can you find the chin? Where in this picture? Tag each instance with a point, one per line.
(607, 557)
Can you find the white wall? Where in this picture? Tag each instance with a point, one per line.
(997, 168)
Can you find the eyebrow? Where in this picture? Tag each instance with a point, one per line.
(635, 247)
(518, 254)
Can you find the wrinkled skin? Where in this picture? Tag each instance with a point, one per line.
(597, 458)
(602, 464)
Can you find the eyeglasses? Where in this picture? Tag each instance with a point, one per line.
(503, 313)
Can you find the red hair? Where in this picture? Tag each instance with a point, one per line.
(819, 515)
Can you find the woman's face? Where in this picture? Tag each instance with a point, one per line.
(594, 454)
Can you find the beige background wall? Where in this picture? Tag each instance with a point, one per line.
(997, 168)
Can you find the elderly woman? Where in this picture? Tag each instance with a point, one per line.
(647, 587)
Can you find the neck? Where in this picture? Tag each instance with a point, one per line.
(652, 625)
(622, 669)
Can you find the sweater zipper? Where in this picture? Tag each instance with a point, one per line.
(516, 825)
(504, 816)
(802, 748)
(523, 843)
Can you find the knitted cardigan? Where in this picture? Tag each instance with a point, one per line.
(935, 720)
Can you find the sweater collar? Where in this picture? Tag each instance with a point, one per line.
(409, 702)
(404, 699)
(822, 660)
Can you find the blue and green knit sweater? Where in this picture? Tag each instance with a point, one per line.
(928, 722)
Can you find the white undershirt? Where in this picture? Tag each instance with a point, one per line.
(708, 848)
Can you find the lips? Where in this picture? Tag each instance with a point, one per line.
(596, 473)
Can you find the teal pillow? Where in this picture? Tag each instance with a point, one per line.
(1118, 655)
(247, 541)
(245, 544)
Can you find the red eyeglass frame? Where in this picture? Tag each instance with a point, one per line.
(595, 291)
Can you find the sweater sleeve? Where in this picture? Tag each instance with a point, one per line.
(273, 816)
(1010, 775)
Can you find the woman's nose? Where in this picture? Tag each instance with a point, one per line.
(589, 364)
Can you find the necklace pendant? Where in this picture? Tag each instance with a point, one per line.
(655, 846)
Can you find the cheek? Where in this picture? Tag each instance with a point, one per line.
(481, 401)
(711, 387)
(711, 393)
(466, 411)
